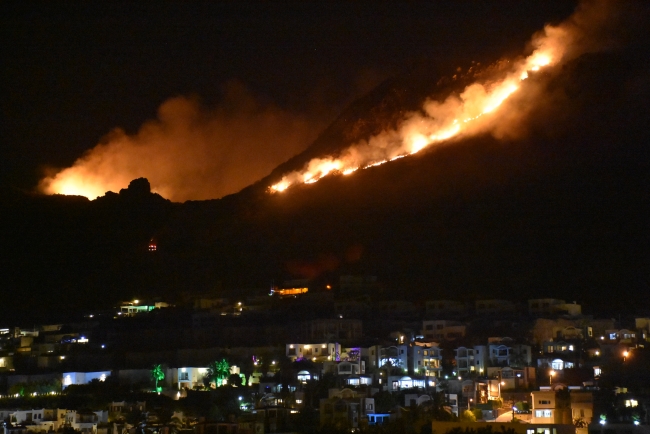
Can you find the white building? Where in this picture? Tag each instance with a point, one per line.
(543, 406)
(470, 360)
(395, 356)
(504, 352)
(426, 359)
(70, 378)
(329, 351)
(443, 330)
(188, 377)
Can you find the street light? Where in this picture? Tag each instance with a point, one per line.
(550, 377)
(469, 401)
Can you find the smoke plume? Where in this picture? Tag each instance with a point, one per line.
(190, 152)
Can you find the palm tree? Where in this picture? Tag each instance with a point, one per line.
(157, 374)
(217, 371)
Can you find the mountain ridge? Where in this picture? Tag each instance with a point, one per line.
(561, 211)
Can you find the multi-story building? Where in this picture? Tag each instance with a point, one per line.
(565, 406)
(560, 347)
(509, 378)
(494, 307)
(44, 419)
(622, 336)
(504, 352)
(345, 408)
(543, 407)
(443, 330)
(328, 351)
(395, 357)
(582, 406)
(471, 360)
(347, 368)
(188, 377)
(552, 306)
(425, 359)
(445, 309)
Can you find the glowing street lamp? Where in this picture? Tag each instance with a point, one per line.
(550, 376)
(625, 354)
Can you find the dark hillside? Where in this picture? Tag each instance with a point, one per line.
(562, 211)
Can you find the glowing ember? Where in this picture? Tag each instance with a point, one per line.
(458, 115)
(281, 186)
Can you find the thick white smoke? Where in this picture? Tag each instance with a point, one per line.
(190, 152)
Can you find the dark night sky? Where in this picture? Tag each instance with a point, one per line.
(73, 71)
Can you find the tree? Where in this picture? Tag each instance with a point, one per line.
(580, 423)
(384, 401)
(18, 389)
(218, 371)
(157, 374)
(234, 380)
(467, 416)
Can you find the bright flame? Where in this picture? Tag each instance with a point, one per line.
(76, 184)
(418, 143)
(456, 116)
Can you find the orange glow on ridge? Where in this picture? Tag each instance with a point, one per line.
(445, 120)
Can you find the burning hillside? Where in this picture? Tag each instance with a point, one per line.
(483, 105)
(188, 153)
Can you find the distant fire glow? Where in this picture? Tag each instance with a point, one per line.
(190, 151)
(470, 112)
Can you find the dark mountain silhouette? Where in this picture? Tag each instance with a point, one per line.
(561, 211)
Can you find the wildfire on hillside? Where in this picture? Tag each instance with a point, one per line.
(189, 154)
(470, 112)
(480, 107)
